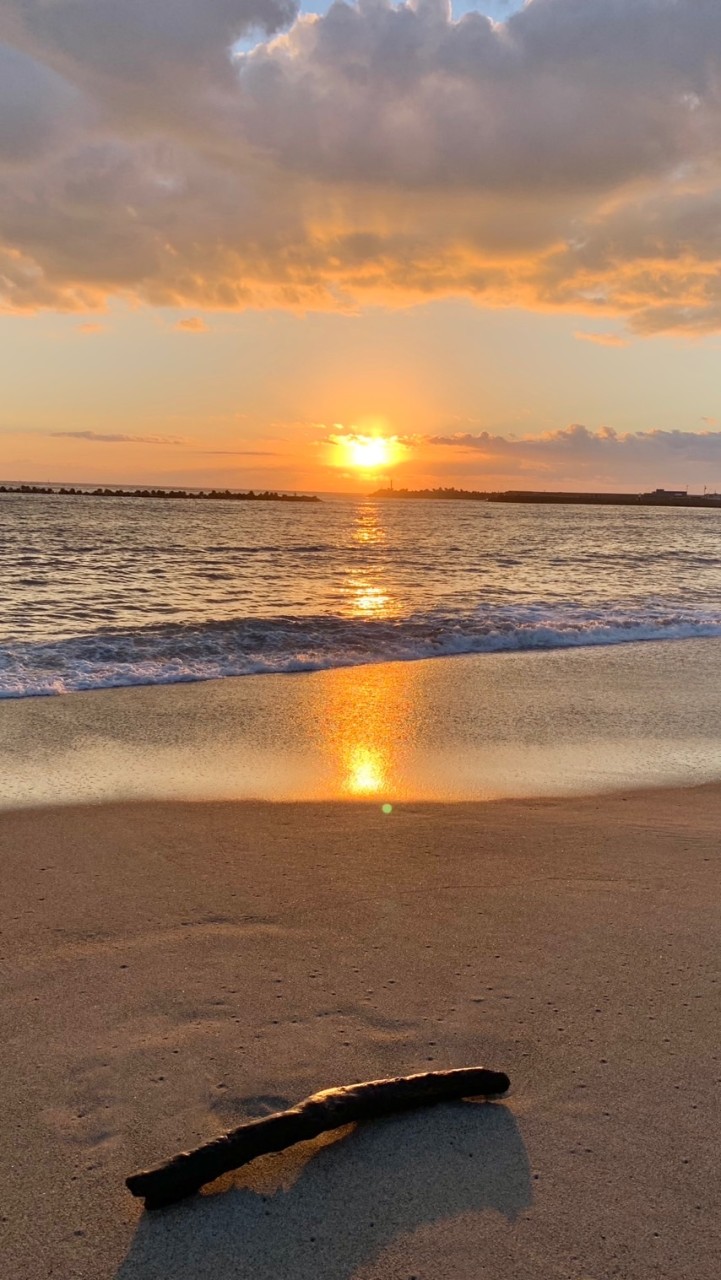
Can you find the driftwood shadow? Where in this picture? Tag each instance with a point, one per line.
(345, 1202)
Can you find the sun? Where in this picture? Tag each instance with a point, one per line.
(368, 453)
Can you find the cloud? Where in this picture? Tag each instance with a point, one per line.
(192, 324)
(91, 327)
(117, 437)
(141, 63)
(568, 158)
(100, 437)
(37, 108)
(568, 95)
(601, 339)
(604, 457)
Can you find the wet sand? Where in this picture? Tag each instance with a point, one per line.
(483, 727)
(169, 969)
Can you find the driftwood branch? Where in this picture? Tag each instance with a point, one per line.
(188, 1172)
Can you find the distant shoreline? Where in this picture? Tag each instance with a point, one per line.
(215, 495)
(655, 498)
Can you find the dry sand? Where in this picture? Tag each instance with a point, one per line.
(170, 969)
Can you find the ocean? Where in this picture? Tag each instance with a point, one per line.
(104, 592)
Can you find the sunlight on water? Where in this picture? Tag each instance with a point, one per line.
(368, 596)
(369, 524)
(370, 601)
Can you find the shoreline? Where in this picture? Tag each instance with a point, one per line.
(170, 969)
(561, 722)
(59, 659)
(119, 491)
(531, 650)
(547, 497)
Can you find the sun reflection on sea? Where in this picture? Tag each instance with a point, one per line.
(365, 588)
(367, 601)
(368, 526)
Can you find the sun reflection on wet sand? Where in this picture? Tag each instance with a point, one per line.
(365, 773)
(361, 725)
(471, 729)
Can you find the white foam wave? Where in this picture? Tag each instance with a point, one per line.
(173, 654)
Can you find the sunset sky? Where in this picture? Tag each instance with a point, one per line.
(232, 236)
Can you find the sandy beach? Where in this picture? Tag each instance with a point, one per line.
(169, 969)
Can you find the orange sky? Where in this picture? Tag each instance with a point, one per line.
(258, 399)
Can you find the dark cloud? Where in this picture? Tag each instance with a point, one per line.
(605, 456)
(569, 158)
(37, 108)
(142, 60)
(569, 95)
(697, 444)
(101, 437)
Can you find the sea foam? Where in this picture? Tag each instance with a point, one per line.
(174, 653)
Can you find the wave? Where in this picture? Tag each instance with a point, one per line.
(172, 653)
